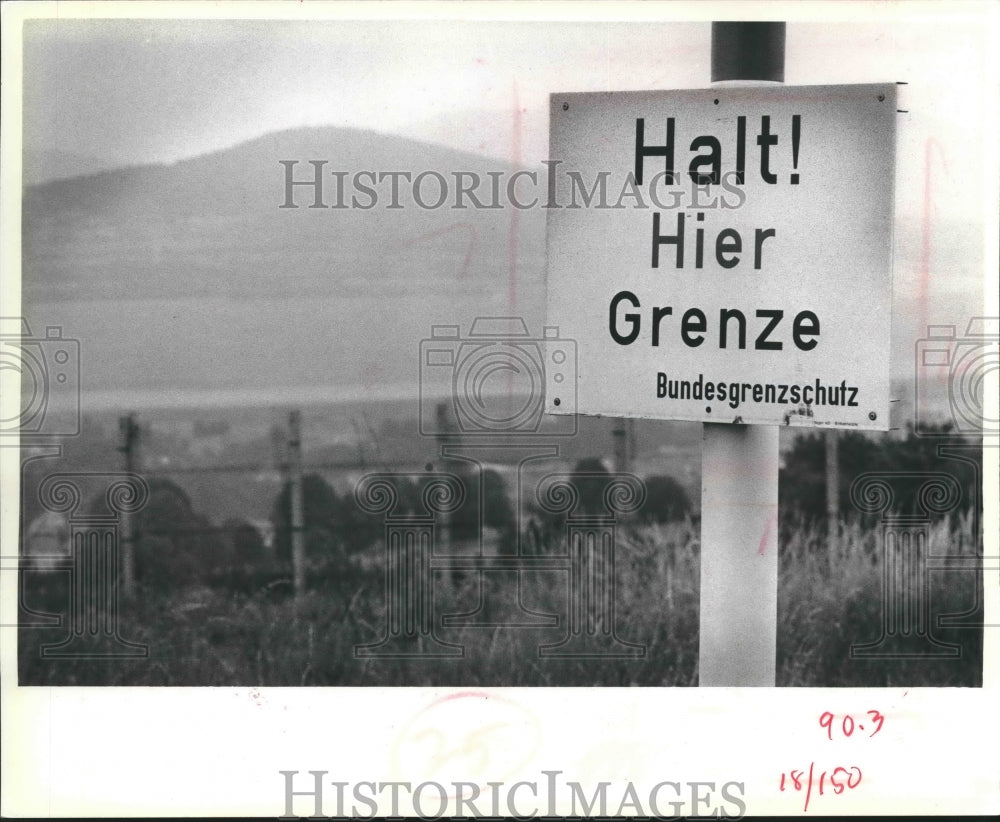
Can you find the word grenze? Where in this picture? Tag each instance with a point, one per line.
(686, 246)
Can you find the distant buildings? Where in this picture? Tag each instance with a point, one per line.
(46, 540)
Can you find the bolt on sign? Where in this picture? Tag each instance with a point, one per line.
(724, 254)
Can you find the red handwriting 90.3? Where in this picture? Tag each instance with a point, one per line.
(839, 780)
(847, 725)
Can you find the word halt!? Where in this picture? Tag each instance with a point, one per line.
(705, 169)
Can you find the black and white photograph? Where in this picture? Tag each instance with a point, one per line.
(502, 393)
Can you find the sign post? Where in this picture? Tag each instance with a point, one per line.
(724, 256)
(739, 555)
(738, 620)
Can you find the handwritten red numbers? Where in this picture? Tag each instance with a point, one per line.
(847, 725)
(838, 780)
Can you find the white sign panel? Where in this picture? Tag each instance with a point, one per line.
(724, 254)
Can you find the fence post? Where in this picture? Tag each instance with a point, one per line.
(623, 433)
(832, 494)
(130, 445)
(296, 503)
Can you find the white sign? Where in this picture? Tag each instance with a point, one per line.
(724, 254)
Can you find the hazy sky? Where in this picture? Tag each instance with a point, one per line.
(162, 90)
(131, 91)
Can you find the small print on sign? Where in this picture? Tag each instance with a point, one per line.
(725, 255)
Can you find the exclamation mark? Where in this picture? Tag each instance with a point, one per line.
(796, 131)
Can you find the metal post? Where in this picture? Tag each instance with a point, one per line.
(739, 501)
(630, 443)
(621, 445)
(623, 435)
(297, 514)
(130, 444)
(748, 51)
(446, 434)
(832, 495)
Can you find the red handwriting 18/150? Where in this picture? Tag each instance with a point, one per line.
(847, 725)
(838, 780)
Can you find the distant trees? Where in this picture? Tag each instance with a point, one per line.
(336, 527)
(666, 500)
(498, 512)
(174, 544)
(320, 508)
(487, 505)
(246, 543)
(802, 480)
(590, 479)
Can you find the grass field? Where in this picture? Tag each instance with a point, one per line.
(828, 599)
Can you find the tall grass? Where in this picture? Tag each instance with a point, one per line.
(829, 597)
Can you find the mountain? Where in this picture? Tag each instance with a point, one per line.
(213, 225)
(191, 277)
(46, 165)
